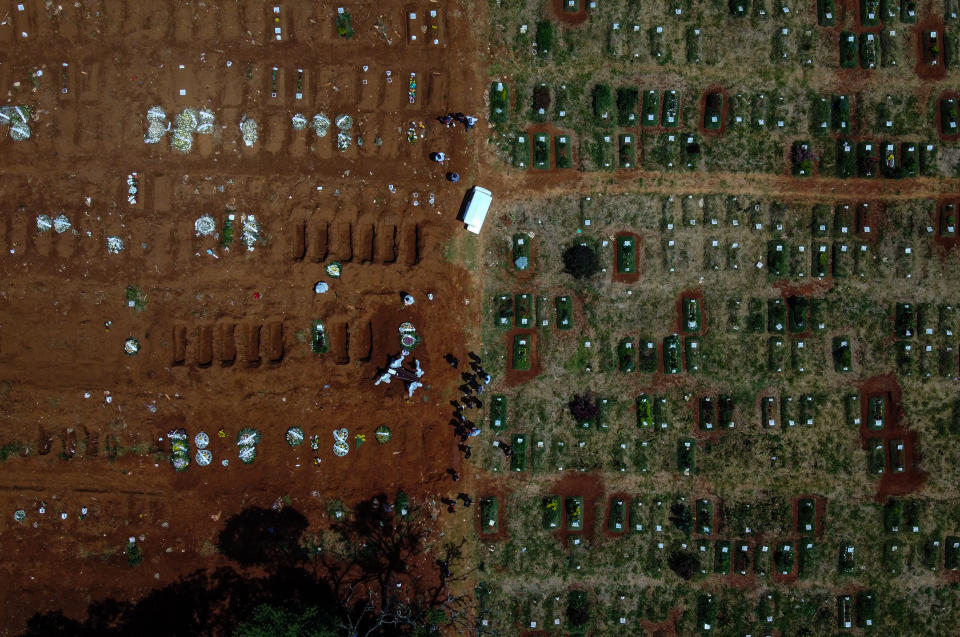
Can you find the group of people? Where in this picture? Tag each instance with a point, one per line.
(452, 504)
(450, 120)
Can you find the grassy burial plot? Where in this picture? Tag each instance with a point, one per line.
(692, 315)
(647, 356)
(552, 513)
(671, 354)
(806, 516)
(904, 320)
(602, 105)
(564, 306)
(521, 151)
(626, 254)
(784, 557)
(617, 518)
(670, 114)
(777, 258)
(498, 411)
(627, 100)
(499, 102)
(521, 352)
(489, 512)
(713, 111)
(876, 456)
(868, 51)
(650, 113)
(801, 157)
(343, 23)
(726, 412)
(694, 45)
(866, 159)
(820, 116)
(840, 113)
(503, 310)
(573, 507)
(949, 116)
(848, 50)
(644, 405)
(707, 605)
(541, 151)
(846, 159)
(544, 38)
(638, 516)
(625, 150)
(518, 456)
(686, 448)
(521, 251)
(722, 557)
(703, 517)
(692, 354)
(798, 309)
(627, 355)
(768, 412)
(951, 553)
(826, 13)
(866, 608)
(561, 146)
(842, 354)
(869, 13)
(893, 515)
(776, 316)
(909, 159)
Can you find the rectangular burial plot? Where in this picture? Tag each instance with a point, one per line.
(541, 151)
(573, 507)
(489, 512)
(498, 411)
(503, 310)
(563, 151)
(521, 352)
(564, 305)
(518, 456)
(626, 254)
(524, 310)
(552, 513)
(651, 108)
(671, 354)
(626, 152)
(521, 151)
(616, 520)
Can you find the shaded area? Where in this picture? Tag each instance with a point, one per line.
(366, 575)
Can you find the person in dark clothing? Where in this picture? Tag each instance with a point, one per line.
(453, 474)
(475, 366)
(447, 120)
(465, 389)
(473, 357)
(450, 358)
(466, 456)
(467, 377)
(460, 117)
(453, 177)
(444, 568)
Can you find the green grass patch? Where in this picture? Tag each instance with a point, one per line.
(541, 151)
(499, 102)
(498, 411)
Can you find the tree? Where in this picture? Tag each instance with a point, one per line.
(684, 563)
(276, 621)
(583, 407)
(581, 261)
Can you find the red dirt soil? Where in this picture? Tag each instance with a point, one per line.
(591, 488)
(569, 17)
(912, 478)
(224, 336)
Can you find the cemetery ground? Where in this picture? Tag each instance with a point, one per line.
(224, 317)
(739, 418)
